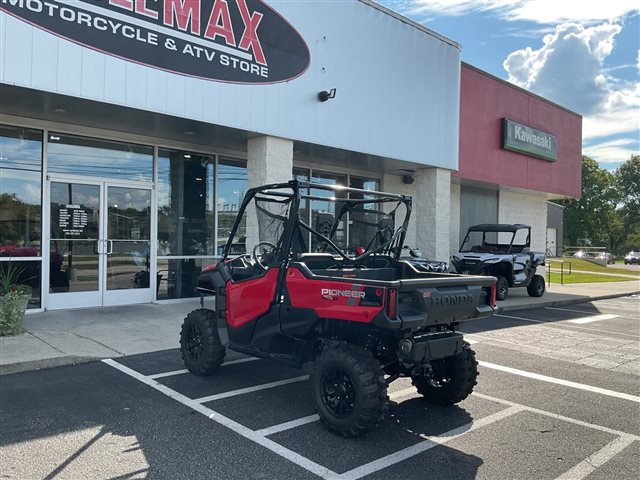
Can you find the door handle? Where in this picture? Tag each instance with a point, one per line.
(110, 243)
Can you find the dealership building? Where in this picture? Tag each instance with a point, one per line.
(130, 130)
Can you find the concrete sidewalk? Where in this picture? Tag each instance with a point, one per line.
(65, 337)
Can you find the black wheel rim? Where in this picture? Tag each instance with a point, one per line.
(502, 290)
(440, 375)
(338, 393)
(194, 342)
(540, 288)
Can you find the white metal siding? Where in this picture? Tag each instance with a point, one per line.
(397, 86)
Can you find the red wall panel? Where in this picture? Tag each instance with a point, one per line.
(484, 102)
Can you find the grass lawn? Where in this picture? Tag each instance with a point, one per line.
(587, 278)
(578, 264)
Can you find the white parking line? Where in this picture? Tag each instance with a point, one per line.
(559, 381)
(555, 324)
(593, 318)
(429, 442)
(602, 456)
(565, 309)
(575, 421)
(288, 425)
(246, 432)
(184, 370)
(259, 436)
(255, 388)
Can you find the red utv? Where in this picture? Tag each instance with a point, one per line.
(363, 316)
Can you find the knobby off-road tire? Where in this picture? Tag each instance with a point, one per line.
(200, 345)
(536, 287)
(349, 390)
(455, 375)
(502, 288)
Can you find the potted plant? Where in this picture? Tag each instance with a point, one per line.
(14, 298)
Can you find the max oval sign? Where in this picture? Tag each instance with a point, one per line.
(238, 41)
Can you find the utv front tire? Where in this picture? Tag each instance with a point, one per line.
(452, 380)
(200, 345)
(349, 390)
(536, 287)
(502, 288)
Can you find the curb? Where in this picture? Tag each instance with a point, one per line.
(32, 365)
(558, 303)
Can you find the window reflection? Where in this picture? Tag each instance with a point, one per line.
(323, 213)
(178, 278)
(185, 203)
(20, 192)
(232, 185)
(99, 158)
(363, 221)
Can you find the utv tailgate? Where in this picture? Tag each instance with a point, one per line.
(426, 302)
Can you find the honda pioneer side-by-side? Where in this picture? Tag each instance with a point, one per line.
(321, 281)
(501, 251)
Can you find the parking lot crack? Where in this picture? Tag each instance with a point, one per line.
(99, 343)
(45, 342)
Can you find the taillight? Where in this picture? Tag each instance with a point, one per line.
(493, 295)
(392, 302)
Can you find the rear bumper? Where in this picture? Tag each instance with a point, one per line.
(433, 347)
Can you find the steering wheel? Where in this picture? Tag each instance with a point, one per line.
(255, 255)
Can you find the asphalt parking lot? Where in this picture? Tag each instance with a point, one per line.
(558, 397)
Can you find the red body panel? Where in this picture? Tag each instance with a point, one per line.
(308, 293)
(248, 300)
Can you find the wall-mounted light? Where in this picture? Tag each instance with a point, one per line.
(407, 179)
(323, 96)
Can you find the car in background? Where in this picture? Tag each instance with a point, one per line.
(608, 257)
(632, 257)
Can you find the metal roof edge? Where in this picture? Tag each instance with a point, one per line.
(410, 22)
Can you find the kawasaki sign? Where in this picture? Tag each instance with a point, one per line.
(238, 41)
(523, 139)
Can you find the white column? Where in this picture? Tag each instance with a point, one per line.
(269, 160)
(431, 207)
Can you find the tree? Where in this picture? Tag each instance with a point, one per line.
(591, 219)
(628, 177)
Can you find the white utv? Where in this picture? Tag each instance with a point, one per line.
(501, 251)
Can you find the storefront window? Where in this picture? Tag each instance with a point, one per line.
(93, 157)
(185, 203)
(363, 222)
(232, 185)
(21, 205)
(323, 213)
(20, 192)
(178, 278)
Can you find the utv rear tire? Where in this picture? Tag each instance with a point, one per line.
(349, 390)
(502, 288)
(536, 287)
(454, 376)
(200, 345)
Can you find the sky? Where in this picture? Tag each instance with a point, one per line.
(584, 56)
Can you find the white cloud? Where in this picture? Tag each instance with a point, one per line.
(614, 151)
(539, 11)
(568, 69)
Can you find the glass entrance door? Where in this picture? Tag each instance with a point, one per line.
(127, 246)
(100, 244)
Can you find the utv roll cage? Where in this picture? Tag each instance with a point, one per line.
(504, 248)
(289, 196)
